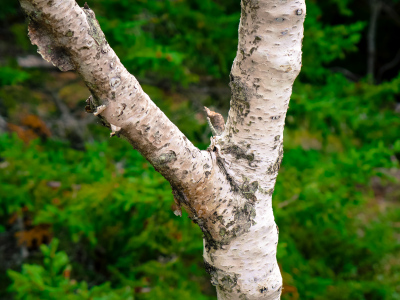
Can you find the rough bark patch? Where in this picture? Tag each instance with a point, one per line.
(47, 47)
(240, 97)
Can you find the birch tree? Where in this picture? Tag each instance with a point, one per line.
(226, 189)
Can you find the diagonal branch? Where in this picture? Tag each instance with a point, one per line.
(389, 65)
(70, 37)
(391, 13)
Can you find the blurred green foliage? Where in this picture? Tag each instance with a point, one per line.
(178, 40)
(112, 213)
(51, 281)
(11, 76)
(336, 200)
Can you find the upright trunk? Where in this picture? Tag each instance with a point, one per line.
(250, 149)
(375, 9)
(227, 189)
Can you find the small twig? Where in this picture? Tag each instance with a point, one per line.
(349, 75)
(214, 132)
(215, 121)
(389, 65)
(289, 201)
(391, 13)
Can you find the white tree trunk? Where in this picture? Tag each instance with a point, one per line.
(227, 189)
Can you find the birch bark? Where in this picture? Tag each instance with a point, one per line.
(227, 189)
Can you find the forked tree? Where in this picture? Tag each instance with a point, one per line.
(226, 189)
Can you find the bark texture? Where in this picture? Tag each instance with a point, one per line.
(227, 189)
(251, 148)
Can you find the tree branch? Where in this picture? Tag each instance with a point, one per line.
(349, 75)
(389, 65)
(391, 13)
(70, 37)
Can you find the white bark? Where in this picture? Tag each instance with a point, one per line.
(227, 189)
(267, 62)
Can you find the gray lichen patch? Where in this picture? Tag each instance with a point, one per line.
(266, 192)
(222, 232)
(240, 97)
(274, 168)
(238, 152)
(95, 31)
(243, 219)
(249, 7)
(270, 191)
(249, 190)
(252, 4)
(228, 282)
(69, 33)
(164, 159)
(223, 280)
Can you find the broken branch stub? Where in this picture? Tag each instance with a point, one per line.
(217, 120)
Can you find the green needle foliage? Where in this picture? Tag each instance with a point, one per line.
(51, 281)
(112, 214)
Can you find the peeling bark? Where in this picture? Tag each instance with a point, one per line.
(227, 189)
